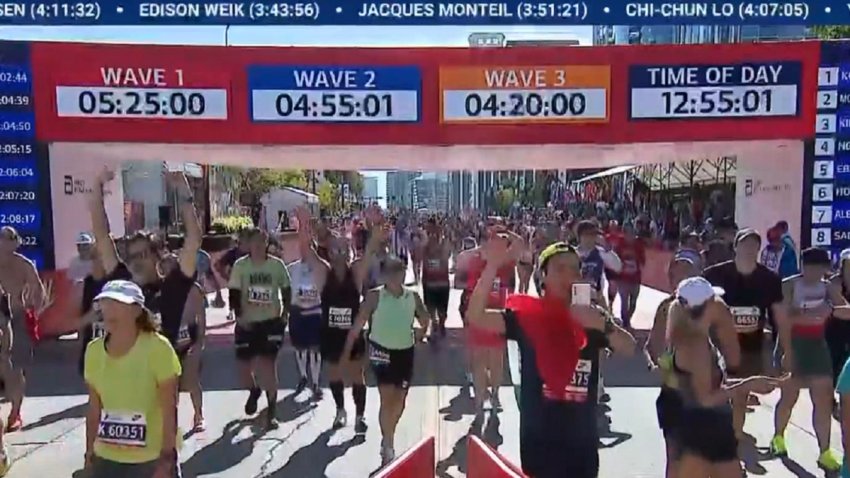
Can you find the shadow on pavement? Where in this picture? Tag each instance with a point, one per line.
(225, 453)
(489, 433)
(77, 411)
(751, 456)
(316, 456)
(462, 404)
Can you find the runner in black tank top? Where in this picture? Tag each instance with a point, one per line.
(340, 282)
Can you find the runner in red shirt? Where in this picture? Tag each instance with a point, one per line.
(631, 251)
(486, 348)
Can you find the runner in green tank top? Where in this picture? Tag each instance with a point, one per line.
(390, 311)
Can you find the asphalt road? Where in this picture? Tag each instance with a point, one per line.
(52, 442)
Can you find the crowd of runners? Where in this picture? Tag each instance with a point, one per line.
(733, 329)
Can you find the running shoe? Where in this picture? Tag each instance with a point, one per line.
(302, 384)
(495, 403)
(251, 404)
(360, 426)
(829, 462)
(199, 424)
(777, 446)
(272, 423)
(341, 419)
(14, 423)
(5, 461)
(387, 455)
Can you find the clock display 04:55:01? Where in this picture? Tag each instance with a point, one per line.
(718, 101)
(333, 105)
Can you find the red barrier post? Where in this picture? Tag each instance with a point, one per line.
(417, 462)
(485, 462)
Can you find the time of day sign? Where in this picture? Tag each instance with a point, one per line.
(525, 94)
(748, 90)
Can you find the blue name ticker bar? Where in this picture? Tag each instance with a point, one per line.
(407, 12)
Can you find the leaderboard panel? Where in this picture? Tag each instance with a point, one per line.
(828, 161)
(24, 177)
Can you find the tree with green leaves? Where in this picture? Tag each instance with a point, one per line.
(328, 197)
(832, 32)
(250, 184)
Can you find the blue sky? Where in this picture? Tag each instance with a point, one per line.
(362, 36)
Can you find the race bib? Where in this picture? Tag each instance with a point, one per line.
(123, 429)
(433, 264)
(629, 267)
(308, 294)
(746, 319)
(811, 304)
(183, 335)
(339, 317)
(379, 357)
(259, 295)
(97, 329)
(577, 389)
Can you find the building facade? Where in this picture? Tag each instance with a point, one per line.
(370, 189)
(400, 189)
(690, 34)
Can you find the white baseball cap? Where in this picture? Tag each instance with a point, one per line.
(85, 238)
(122, 291)
(695, 291)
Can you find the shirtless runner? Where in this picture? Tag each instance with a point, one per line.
(20, 281)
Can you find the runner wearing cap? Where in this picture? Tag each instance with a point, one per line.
(132, 374)
(705, 434)
(28, 296)
(559, 346)
(81, 265)
(810, 300)
(752, 292)
(392, 312)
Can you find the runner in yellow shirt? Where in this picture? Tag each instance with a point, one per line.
(132, 375)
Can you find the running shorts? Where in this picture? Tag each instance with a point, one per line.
(811, 357)
(715, 439)
(102, 468)
(391, 366)
(333, 341)
(259, 339)
(436, 298)
(305, 327)
(543, 459)
(668, 407)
